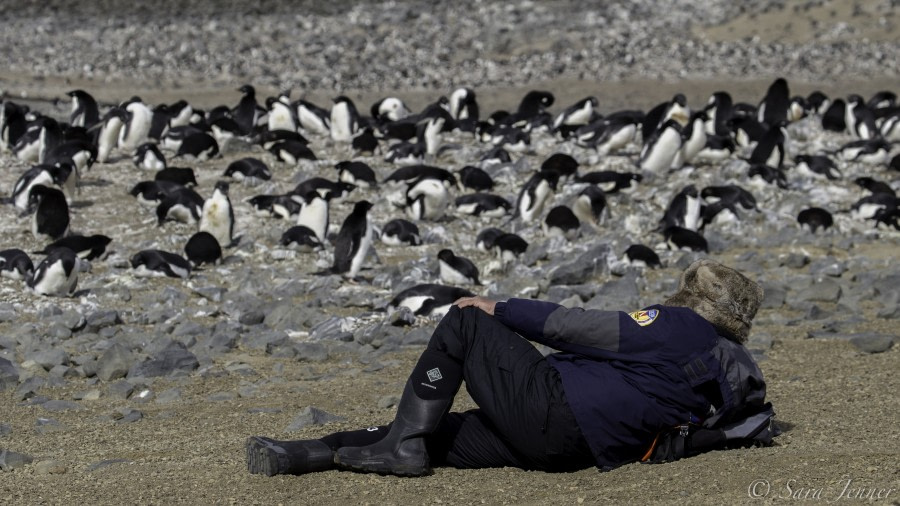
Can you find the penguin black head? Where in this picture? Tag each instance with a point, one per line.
(201, 248)
(222, 186)
(362, 206)
(248, 90)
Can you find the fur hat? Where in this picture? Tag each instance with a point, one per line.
(723, 296)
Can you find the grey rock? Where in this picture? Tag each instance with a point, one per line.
(872, 343)
(59, 331)
(416, 337)
(310, 352)
(7, 343)
(891, 312)
(29, 388)
(120, 389)
(189, 329)
(10, 460)
(173, 360)
(583, 268)
(114, 363)
(402, 317)
(822, 290)
(102, 319)
(795, 260)
(222, 396)
(828, 266)
(7, 315)
(290, 316)
(58, 405)
(312, 416)
(128, 415)
(616, 295)
(48, 425)
(388, 401)
(887, 288)
(106, 463)
(5, 430)
(241, 368)
(9, 374)
(63, 371)
(248, 391)
(71, 319)
(49, 358)
(264, 341)
(252, 317)
(167, 396)
(211, 293)
(45, 467)
(774, 295)
(330, 330)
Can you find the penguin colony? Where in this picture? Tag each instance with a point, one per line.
(331, 189)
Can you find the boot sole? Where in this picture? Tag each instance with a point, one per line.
(382, 468)
(262, 456)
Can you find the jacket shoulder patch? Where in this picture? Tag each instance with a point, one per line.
(644, 317)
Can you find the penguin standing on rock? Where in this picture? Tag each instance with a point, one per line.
(456, 270)
(57, 274)
(313, 213)
(353, 241)
(84, 109)
(217, 216)
(535, 194)
(661, 148)
(137, 127)
(589, 205)
(684, 210)
(344, 120)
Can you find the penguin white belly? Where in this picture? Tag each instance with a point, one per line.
(340, 123)
(138, 127)
(109, 136)
(360, 255)
(54, 280)
(314, 216)
(692, 213)
(216, 220)
(660, 154)
(451, 276)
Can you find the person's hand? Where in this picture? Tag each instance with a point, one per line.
(482, 303)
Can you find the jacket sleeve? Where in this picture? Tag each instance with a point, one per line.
(575, 330)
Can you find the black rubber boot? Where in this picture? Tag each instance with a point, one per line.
(402, 451)
(271, 457)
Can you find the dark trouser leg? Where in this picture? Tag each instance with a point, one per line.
(524, 420)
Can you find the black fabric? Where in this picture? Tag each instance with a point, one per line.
(523, 420)
(436, 376)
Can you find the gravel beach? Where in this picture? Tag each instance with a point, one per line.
(143, 390)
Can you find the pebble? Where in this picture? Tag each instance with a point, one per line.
(50, 467)
(312, 416)
(10, 460)
(872, 343)
(9, 374)
(169, 395)
(46, 425)
(114, 363)
(5, 430)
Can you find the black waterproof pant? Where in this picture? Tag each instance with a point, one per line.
(523, 419)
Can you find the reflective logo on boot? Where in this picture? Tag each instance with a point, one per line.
(434, 375)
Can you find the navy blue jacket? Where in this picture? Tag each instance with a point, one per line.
(628, 376)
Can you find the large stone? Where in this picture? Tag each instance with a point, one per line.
(822, 290)
(312, 416)
(582, 268)
(114, 363)
(9, 374)
(311, 352)
(872, 343)
(10, 460)
(774, 295)
(331, 329)
(290, 316)
(175, 359)
(49, 358)
(617, 295)
(102, 319)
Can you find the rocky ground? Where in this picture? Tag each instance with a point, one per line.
(143, 390)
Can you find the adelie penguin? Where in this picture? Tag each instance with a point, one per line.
(398, 232)
(475, 179)
(202, 248)
(135, 130)
(612, 182)
(482, 204)
(660, 149)
(158, 263)
(57, 274)
(217, 216)
(428, 299)
(313, 213)
(817, 166)
(312, 118)
(182, 205)
(344, 120)
(85, 112)
(148, 156)
(300, 238)
(639, 255)
(426, 199)
(47, 175)
(86, 247)
(456, 270)
(181, 175)
(356, 173)
(680, 238)
(534, 195)
(248, 170)
(51, 215)
(353, 241)
(561, 222)
(15, 264)
(589, 206)
(683, 210)
(814, 218)
(246, 112)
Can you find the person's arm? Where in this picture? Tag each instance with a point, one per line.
(575, 330)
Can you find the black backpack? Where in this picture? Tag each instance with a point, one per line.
(691, 439)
